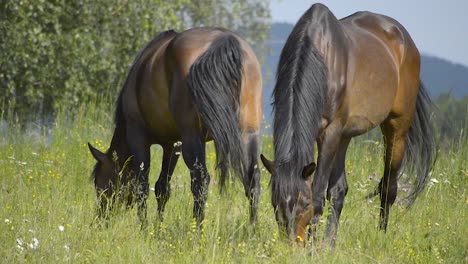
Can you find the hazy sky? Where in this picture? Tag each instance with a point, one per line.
(438, 27)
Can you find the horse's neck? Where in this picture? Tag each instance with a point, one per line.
(119, 145)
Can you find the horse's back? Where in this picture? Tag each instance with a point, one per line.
(188, 46)
(184, 51)
(403, 53)
(381, 54)
(153, 93)
(389, 31)
(162, 95)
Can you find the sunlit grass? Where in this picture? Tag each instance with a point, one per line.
(47, 208)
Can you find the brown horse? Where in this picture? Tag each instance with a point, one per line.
(183, 90)
(338, 79)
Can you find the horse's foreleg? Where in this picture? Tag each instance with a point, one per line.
(162, 188)
(337, 190)
(328, 148)
(140, 166)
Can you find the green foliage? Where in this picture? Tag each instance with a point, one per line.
(249, 17)
(451, 118)
(46, 196)
(66, 52)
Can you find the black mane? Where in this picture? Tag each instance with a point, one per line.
(299, 98)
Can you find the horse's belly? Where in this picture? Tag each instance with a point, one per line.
(163, 128)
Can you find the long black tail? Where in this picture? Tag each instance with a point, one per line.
(214, 81)
(420, 154)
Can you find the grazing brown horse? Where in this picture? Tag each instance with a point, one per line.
(183, 90)
(338, 79)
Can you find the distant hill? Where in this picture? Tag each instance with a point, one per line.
(442, 76)
(438, 75)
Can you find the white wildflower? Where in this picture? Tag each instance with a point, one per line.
(61, 228)
(7, 221)
(66, 247)
(19, 243)
(142, 165)
(177, 144)
(434, 180)
(177, 153)
(34, 243)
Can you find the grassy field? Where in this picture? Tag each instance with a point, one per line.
(47, 208)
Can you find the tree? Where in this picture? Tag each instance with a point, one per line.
(56, 53)
(451, 117)
(248, 17)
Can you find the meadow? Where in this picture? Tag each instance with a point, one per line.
(48, 207)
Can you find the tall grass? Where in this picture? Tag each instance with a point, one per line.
(47, 207)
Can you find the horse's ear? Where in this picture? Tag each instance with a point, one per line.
(269, 165)
(98, 155)
(308, 170)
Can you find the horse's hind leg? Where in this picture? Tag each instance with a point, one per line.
(162, 188)
(193, 151)
(251, 179)
(394, 131)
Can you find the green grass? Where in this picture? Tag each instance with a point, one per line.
(45, 187)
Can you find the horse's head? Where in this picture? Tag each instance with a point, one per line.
(109, 179)
(291, 198)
